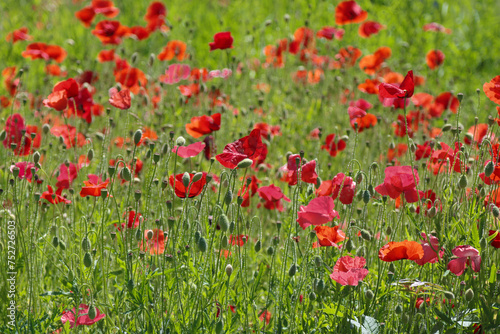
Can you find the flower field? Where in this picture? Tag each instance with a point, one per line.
(240, 166)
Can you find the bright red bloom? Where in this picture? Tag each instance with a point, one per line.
(400, 180)
(248, 147)
(404, 90)
(446, 156)
(365, 122)
(492, 89)
(120, 99)
(465, 255)
(249, 191)
(110, 32)
(330, 32)
(478, 133)
(265, 315)
(173, 49)
(267, 130)
(67, 174)
(133, 220)
(190, 150)
(340, 184)
(155, 245)
(54, 198)
(307, 174)
(55, 70)
(396, 152)
(430, 245)
(333, 147)
(155, 16)
(434, 59)
(45, 52)
(15, 131)
(57, 100)
(194, 188)
(349, 271)
(272, 196)
(203, 125)
(106, 55)
(328, 236)
(369, 28)
(20, 34)
(447, 101)
(93, 186)
(222, 41)
(69, 135)
(349, 12)
(496, 241)
(319, 211)
(82, 318)
(436, 27)
(395, 251)
(140, 33)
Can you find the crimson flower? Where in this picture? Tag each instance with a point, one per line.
(20, 34)
(45, 52)
(492, 89)
(54, 198)
(222, 41)
(25, 170)
(249, 191)
(333, 147)
(248, 147)
(190, 150)
(330, 32)
(15, 130)
(194, 188)
(307, 173)
(203, 125)
(349, 271)
(496, 241)
(405, 89)
(319, 211)
(465, 255)
(272, 196)
(400, 180)
(82, 317)
(369, 28)
(432, 253)
(341, 184)
(110, 32)
(133, 220)
(93, 186)
(349, 12)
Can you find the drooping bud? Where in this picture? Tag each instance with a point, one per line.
(365, 234)
(469, 295)
(90, 154)
(223, 222)
(87, 260)
(369, 294)
(257, 246)
(150, 234)
(293, 270)
(126, 174)
(137, 136)
(202, 245)
(245, 163)
(92, 312)
(449, 295)
(197, 177)
(446, 127)
(86, 244)
(228, 197)
(489, 169)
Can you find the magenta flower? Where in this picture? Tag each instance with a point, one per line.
(430, 244)
(82, 316)
(24, 170)
(67, 174)
(466, 255)
(176, 73)
(349, 271)
(399, 180)
(319, 211)
(190, 150)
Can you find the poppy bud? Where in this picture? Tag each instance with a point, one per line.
(361, 251)
(86, 244)
(392, 267)
(431, 213)
(495, 211)
(228, 197)
(62, 245)
(319, 285)
(366, 196)
(345, 137)
(349, 245)
(197, 177)
(359, 177)
(257, 246)
(270, 251)
(232, 225)
(469, 295)
(138, 234)
(71, 275)
(462, 182)
(36, 157)
(413, 147)
(197, 236)
(392, 145)
(245, 163)
(219, 326)
(15, 171)
(369, 294)
(180, 141)
(150, 234)
(469, 136)
(223, 222)
(224, 242)
(55, 241)
(202, 245)
(489, 169)
(186, 179)
(90, 154)
(137, 136)
(151, 59)
(312, 295)
(398, 309)
(113, 235)
(318, 261)
(449, 295)
(126, 174)
(366, 235)
(483, 243)
(92, 312)
(388, 231)
(460, 96)
(36, 196)
(87, 260)
(293, 270)
(3, 135)
(446, 127)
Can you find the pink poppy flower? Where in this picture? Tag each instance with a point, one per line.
(24, 170)
(82, 317)
(430, 244)
(333, 188)
(272, 197)
(190, 150)
(399, 180)
(308, 172)
(67, 174)
(466, 255)
(349, 271)
(120, 99)
(176, 73)
(319, 211)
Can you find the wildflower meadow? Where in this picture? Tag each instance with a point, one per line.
(232, 166)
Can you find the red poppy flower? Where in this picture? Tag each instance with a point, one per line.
(155, 245)
(404, 90)
(328, 236)
(45, 52)
(370, 64)
(67, 174)
(69, 135)
(346, 58)
(194, 188)
(82, 317)
(436, 27)
(496, 241)
(349, 12)
(349, 271)
(396, 152)
(465, 255)
(106, 55)
(395, 251)
(478, 133)
(15, 131)
(25, 170)
(492, 89)
(238, 240)
(333, 147)
(86, 15)
(54, 198)
(20, 34)
(222, 41)
(365, 122)
(430, 245)
(330, 32)
(132, 78)
(155, 16)
(369, 28)
(120, 99)
(93, 186)
(290, 170)
(55, 71)
(272, 196)
(110, 32)
(249, 191)
(340, 184)
(133, 220)
(370, 86)
(400, 180)
(173, 49)
(203, 125)
(447, 101)
(434, 59)
(248, 147)
(57, 100)
(190, 150)
(140, 33)
(319, 211)
(265, 315)
(268, 131)
(446, 156)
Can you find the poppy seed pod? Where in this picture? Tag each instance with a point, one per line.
(87, 260)
(15, 171)
(489, 169)
(229, 270)
(245, 163)
(460, 96)
(223, 222)
(202, 245)
(104, 193)
(180, 141)
(186, 179)
(137, 136)
(126, 174)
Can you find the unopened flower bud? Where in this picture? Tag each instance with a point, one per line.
(87, 260)
(126, 174)
(446, 127)
(150, 234)
(186, 179)
(369, 294)
(257, 246)
(197, 177)
(462, 182)
(489, 169)
(90, 154)
(293, 270)
(223, 222)
(229, 270)
(495, 211)
(36, 157)
(469, 295)
(366, 235)
(449, 295)
(180, 141)
(245, 163)
(137, 136)
(202, 245)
